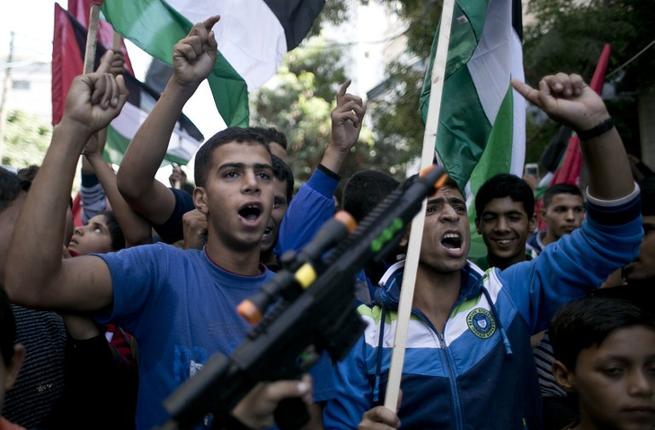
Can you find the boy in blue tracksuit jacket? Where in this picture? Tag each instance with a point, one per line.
(468, 362)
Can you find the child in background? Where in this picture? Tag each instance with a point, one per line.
(605, 353)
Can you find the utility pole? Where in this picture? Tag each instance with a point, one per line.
(5, 89)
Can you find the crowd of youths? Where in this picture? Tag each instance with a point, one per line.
(108, 318)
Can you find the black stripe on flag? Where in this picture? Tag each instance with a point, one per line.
(140, 95)
(296, 17)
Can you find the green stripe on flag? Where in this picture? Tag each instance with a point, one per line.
(156, 27)
(497, 155)
(496, 158)
(117, 146)
(458, 144)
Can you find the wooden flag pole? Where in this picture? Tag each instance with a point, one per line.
(116, 42)
(91, 36)
(416, 235)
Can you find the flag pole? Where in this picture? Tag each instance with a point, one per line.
(116, 42)
(416, 235)
(91, 36)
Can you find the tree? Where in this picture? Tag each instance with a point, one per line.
(569, 36)
(26, 139)
(564, 36)
(298, 102)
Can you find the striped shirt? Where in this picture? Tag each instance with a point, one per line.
(544, 359)
(40, 384)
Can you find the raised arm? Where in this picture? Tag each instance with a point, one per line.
(37, 276)
(193, 60)
(347, 118)
(568, 100)
(135, 229)
(610, 235)
(314, 202)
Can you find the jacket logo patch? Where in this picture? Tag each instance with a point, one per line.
(481, 323)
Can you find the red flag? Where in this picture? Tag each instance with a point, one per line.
(66, 61)
(80, 10)
(571, 167)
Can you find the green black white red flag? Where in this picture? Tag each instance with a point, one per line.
(67, 59)
(482, 122)
(252, 36)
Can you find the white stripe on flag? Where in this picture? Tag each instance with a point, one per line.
(249, 35)
(520, 105)
(181, 144)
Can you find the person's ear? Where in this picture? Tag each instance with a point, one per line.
(542, 211)
(477, 225)
(565, 378)
(532, 223)
(14, 366)
(200, 199)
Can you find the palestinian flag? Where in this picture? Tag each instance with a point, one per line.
(80, 10)
(482, 121)
(252, 36)
(67, 62)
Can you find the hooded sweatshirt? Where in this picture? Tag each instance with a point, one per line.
(480, 373)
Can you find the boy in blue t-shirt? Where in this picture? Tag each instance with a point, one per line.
(178, 304)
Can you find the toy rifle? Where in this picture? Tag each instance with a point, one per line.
(306, 308)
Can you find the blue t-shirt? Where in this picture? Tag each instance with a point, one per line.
(180, 307)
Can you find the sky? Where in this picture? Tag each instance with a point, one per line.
(32, 22)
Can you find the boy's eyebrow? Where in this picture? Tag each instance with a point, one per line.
(510, 212)
(242, 165)
(262, 166)
(450, 200)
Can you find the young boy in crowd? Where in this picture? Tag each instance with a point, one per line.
(504, 207)
(563, 212)
(468, 349)
(164, 207)
(38, 395)
(605, 354)
(179, 305)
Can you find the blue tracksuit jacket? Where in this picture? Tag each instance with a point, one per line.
(479, 373)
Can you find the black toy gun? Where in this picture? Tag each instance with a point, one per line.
(306, 308)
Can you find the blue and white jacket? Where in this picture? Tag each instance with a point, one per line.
(480, 373)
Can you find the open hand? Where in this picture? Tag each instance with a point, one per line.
(566, 99)
(194, 56)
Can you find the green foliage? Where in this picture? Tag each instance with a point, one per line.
(26, 139)
(396, 118)
(299, 101)
(569, 36)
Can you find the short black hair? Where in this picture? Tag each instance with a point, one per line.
(27, 175)
(647, 187)
(10, 188)
(561, 189)
(283, 173)
(365, 190)
(7, 328)
(587, 322)
(505, 185)
(272, 134)
(231, 134)
(115, 231)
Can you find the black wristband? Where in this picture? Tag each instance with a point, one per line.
(329, 172)
(596, 131)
